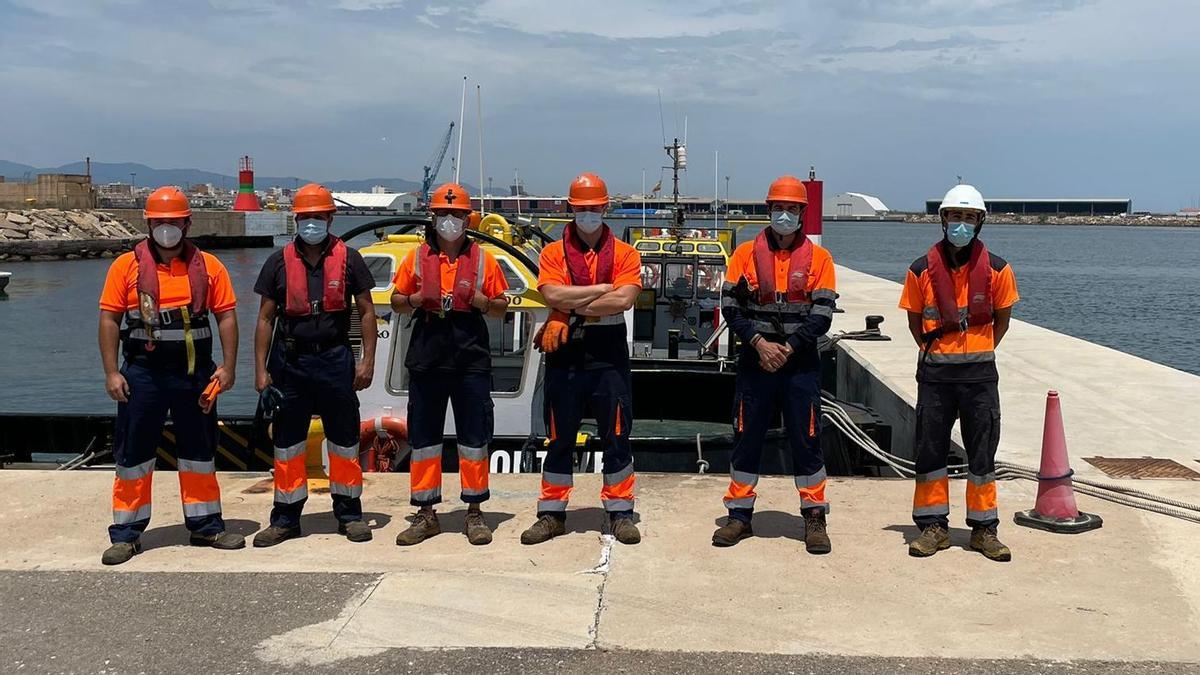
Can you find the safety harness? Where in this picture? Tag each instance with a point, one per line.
(187, 326)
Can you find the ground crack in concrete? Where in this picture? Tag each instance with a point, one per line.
(603, 568)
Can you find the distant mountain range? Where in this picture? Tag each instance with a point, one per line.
(146, 176)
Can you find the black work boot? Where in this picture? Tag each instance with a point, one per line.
(984, 540)
(624, 531)
(477, 531)
(816, 537)
(275, 534)
(424, 525)
(933, 538)
(121, 552)
(355, 530)
(732, 532)
(546, 528)
(226, 541)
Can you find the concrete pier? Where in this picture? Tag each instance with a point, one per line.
(1128, 592)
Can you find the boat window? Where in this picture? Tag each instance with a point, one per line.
(709, 248)
(651, 276)
(516, 282)
(679, 280)
(708, 281)
(649, 246)
(680, 247)
(382, 270)
(509, 340)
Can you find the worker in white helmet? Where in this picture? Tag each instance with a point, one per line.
(959, 298)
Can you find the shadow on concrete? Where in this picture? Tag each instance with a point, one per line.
(325, 523)
(773, 525)
(591, 519)
(960, 537)
(455, 521)
(177, 535)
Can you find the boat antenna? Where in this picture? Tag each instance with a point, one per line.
(479, 105)
(462, 111)
(661, 121)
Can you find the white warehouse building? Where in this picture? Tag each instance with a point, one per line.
(854, 205)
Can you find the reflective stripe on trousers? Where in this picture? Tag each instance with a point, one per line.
(291, 475)
(556, 491)
(812, 490)
(617, 493)
(131, 492)
(473, 470)
(345, 472)
(425, 475)
(931, 496)
(981, 498)
(198, 488)
(741, 494)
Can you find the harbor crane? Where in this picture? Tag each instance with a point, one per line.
(434, 165)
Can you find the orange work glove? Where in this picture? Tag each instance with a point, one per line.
(209, 397)
(554, 333)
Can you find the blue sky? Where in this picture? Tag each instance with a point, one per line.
(1026, 98)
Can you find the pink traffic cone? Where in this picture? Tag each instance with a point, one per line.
(1055, 509)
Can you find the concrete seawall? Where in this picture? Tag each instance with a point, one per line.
(1114, 404)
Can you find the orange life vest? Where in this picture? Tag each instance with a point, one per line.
(296, 275)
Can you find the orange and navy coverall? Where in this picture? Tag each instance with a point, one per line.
(956, 380)
(160, 383)
(591, 371)
(795, 388)
(449, 362)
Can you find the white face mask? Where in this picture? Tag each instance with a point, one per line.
(167, 236)
(589, 221)
(784, 223)
(312, 231)
(450, 227)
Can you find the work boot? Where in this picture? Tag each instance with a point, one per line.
(355, 530)
(226, 541)
(274, 535)
(121, 552)
(424, 525)
(732, 532)
(983, 539)
(624, 531)
(816, 538)
(477, 531)
(546, 528)
(933, 538)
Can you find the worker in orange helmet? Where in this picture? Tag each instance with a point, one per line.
(308, 286)
(589, 279)
(159, 303)
(778, 297)
(450, 285)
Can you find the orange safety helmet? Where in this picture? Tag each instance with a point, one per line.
(450, 196)
(313, 198)
(167, 202)
(787, 189)
(588, 189)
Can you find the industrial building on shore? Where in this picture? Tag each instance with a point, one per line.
(1065, 206)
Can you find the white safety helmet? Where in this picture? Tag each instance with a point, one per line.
(963, 197)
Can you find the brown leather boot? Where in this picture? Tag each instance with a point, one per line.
(424, 525)
(477, 531)
(624, 531)
(933, 538)
(816, 538)
(546, 528)
(984, 540)
(732, 532)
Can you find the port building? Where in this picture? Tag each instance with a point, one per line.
(854, 205)
(1065, 206)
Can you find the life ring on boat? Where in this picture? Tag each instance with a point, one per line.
(650, 277)
(381, 439)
